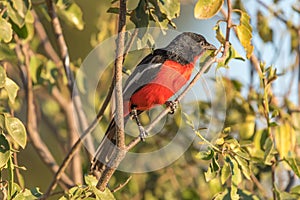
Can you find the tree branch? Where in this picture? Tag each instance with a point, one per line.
(32, 127)
(78, 143)
(119, 115)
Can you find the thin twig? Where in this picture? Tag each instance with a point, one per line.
(121, 185)
(259, 186)
(32, 130)
(64, 55)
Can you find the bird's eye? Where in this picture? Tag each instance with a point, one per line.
(202, 43)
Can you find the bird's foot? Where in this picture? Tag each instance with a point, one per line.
(173, 105)
(143, 133)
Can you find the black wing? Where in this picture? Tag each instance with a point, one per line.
(145, 72)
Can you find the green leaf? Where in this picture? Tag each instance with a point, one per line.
(21, 6)
(264, 30)
(5, 30)
(17, 11)
(210, 173)
(293, 164)
(20, 31)
(205, 9)
(205, 155)
(296, 190)
(285, 139)
(4, 150)
(114, 10)
(35, 65)
(140, 17)
(225, 173)
(269, 147)
(170, 7)
(16, 129)
(244, 33)
(231, 54)
(245, 167)
(247, 127)
(28, 194)
(2, 77)
(7, 53)
(236, 178)
(71, 13)
(12, 89)
(106, 195)
(219, 35)
(90, 180)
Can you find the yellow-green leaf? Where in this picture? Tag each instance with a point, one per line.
(170, 7)
(4, 150)
(205, 9)
(219, 35)
(244, 33)
(225, 173)
(285, 139)
(12, 89)
(16, 129)
(2, 77)
(264, 30)
(5, 30)
(71, 13)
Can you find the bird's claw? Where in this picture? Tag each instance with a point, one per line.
(172, 105)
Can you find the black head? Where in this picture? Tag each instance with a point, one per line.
(186, 46)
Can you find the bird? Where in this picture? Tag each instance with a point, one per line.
(153, 82)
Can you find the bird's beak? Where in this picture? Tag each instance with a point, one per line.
(210, 47)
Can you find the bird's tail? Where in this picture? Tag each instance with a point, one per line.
(107, 149)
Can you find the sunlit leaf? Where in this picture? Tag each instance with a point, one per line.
(90, 180)
(105, 195)
(245, 167)
(293, 164)
(12, 89)
(247, 128)
(296, 190)
(244, 32)
(210, 173)
(225, 173)
(4, 150)
(285, 139)
(72, 13)
(219, 35)
(205, 155)
(169, 7)
(205, 9)
(2, 77)
(231, 54)
(236, 177)
(21, 6)
(269, 147)
(5, 30)
(16, 129)
(17, 11)
(28, 194)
